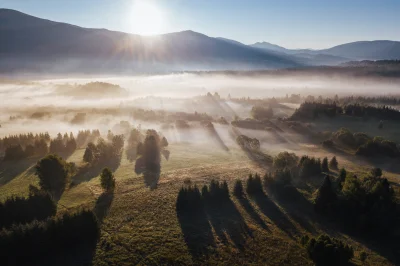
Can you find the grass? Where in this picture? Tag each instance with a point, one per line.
(141, 227)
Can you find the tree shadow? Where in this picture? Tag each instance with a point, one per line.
(212, 132)
(272, 211)
(296, 205)
(166, 154)
(151, 179)
(11, 169)
(197, 232)
(88, 171)
(227, 221)
(103, 204)
(252, 212)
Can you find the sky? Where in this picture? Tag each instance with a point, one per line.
(314, 24)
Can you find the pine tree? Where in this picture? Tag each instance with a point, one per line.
(238, 189)
(324, 165)
(333, 164)
(342, 177)
(326, 197)
(107, 180)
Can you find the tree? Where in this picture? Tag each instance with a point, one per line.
(326, 196)
(238, 189)
(261, 112)
(327, 251)
(52, 172)
(151, 154)
(333, 164)
(164, 142)
(118, 144)
(70, 145)
(342, 177)
(107, 180)
(90, 153)
(324, 166)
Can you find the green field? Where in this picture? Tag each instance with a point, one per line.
(140, 225)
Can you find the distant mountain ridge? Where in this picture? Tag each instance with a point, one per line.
(34, 44)
(361, 50)
(31, 44)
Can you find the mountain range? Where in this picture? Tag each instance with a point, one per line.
(32, 44)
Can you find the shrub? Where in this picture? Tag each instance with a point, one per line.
(327, 251)
(107, 180)
(345, 136)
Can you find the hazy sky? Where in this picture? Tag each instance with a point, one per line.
(293, 24)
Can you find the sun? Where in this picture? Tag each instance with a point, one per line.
(146, 18)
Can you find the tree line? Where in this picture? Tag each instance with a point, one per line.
(361, 205)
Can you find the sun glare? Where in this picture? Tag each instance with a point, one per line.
(147, 18)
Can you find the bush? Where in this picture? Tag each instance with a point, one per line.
(107, 180)
(327, 251)
(345, 136)
(52, 172)
(17, 210)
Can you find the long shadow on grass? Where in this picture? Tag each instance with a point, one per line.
(227, 221)
(103, 205)
(150, 176)
(272, 211)
(297, 207)
(197, 232)
(11, 169)
(89, 171)
(252, 212)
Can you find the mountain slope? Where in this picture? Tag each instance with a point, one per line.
(36, 43)
(374, 50)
